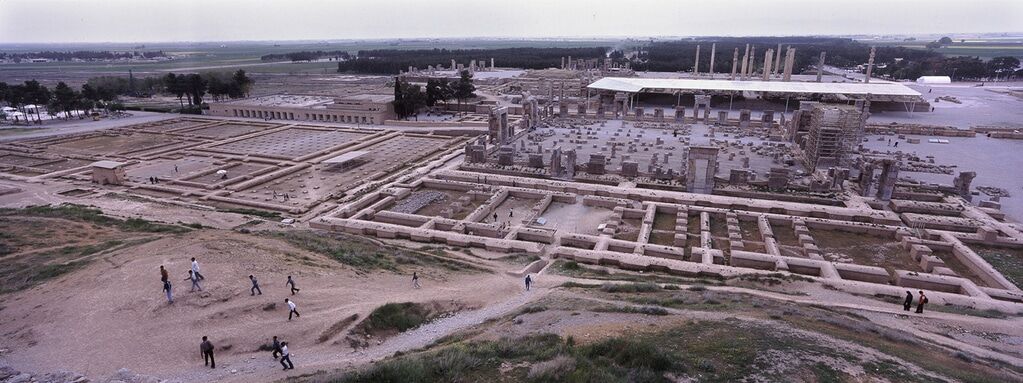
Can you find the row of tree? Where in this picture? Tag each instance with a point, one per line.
(391, 61)
(410, 98)
(218, 85)
(307, 56)
(79, 55)
(104, 91)
(62, 99)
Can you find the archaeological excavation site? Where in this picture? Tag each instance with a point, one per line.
(697, 210)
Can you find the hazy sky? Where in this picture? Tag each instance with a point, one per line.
(219, 20)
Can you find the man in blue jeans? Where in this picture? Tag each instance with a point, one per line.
(286, 357)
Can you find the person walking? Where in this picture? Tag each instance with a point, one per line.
(277, 348)
(163, 274)
(529, 281)
(195, 269)
(291, 282)
(206, 348)
(167, 288)
(286, 357)
(415, 280)
(291, 309)
(921, 302)
(255, 286)
(909, 301)
(195, 281)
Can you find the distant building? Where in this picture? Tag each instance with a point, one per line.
(934, 80)
(371, 109)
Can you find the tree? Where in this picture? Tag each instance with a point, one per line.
(437, 90)
(174, 86)
(463, 88)
(408, 98)
(38, 95)
(64, 98)
(1002, 65)
(196, 86)
(243, 83)
(945, 41)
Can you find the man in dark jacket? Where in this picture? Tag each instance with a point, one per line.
(909, 301)
(206, 347)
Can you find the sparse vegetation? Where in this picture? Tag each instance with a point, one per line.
(92, 215)
(366, 255)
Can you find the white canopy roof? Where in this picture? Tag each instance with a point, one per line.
(657, 85)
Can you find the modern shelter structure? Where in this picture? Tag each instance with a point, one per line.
(876, 92)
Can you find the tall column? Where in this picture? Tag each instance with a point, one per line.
(562, 62)
(745, 62)
(820, 68)
(713, 47)
(491, 63)
(696, 66)
(752, 62)
(777, 60)
(870, 65)
(735, 62)
(570, 66)
(790, 59)
(767, 64)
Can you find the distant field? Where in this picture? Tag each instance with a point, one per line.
(245, 55)
(985, 49)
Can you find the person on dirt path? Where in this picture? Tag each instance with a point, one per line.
(921, 302)
(163, 274)
(167, 288)
(206, 348)
(291, 282)
(415, 280)
(255, 286)
(529, 281)
(286, 357)
(195, 269)
(909, 301)
(277, 348)
(291, 309)
(195, 281)
(495, 217)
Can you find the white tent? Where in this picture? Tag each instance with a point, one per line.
(934, 80)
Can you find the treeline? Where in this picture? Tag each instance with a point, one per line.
(409, 98)
(79, 55)
(103, 92)
(390, 61)
(894, 62)
(306, 56)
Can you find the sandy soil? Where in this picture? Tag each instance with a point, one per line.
(112, 314)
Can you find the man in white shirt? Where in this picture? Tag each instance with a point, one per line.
(195, 269)
(286, 357)
(291, 308)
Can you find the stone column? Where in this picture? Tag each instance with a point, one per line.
(752, 61)
(777, 60)
(820, 68)
(735, 62)
(767, 64)
(870, 65)
(745, 62)
(696, 66)
(713, 47)
(790, 59)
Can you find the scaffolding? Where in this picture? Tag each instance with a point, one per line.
(835, 132)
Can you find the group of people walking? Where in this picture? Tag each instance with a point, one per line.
(280, 349)
(920, 302)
